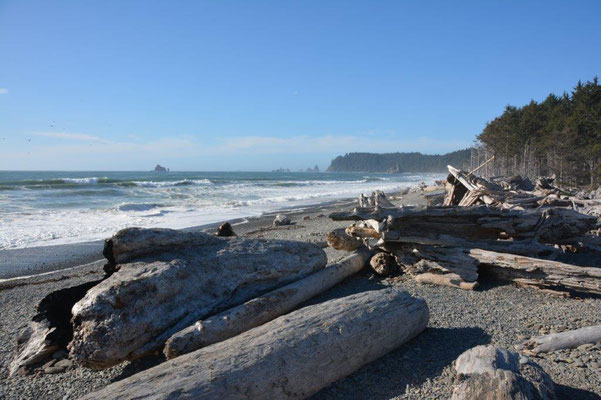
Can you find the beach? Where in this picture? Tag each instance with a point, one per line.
(503, 315)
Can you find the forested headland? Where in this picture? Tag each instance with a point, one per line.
(559, 136)
(398, 162)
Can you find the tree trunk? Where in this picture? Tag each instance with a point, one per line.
(262, 309)
(291, 357)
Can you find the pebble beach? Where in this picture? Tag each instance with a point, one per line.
(503, 315)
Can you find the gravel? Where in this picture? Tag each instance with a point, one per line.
(504, 315)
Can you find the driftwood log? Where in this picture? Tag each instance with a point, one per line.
(291, 357)
(563, 340)
(544, 274)
(263, 308)
(338, 239)
(155, 294)
(489, 372)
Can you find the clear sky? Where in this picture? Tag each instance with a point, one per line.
(257, 85)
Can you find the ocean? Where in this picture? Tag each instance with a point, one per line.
(47, 208)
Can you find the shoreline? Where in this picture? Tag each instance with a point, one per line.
(36, 260)
(500, 314)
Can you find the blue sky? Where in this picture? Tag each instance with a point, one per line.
(257, 85)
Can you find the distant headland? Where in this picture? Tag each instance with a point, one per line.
(398, 162)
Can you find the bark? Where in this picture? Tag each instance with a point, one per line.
(291, 357)
(136, 309)
(263, 308)
(564, 340)
(489, 372)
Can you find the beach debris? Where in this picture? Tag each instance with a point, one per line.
(383, 264)
(338, 239)
(152, 295)
(563, 340)
(225, 230)
(262, 309)
(476, 234)
(490, 372)
(49, 331)
(281, 220)
(285, 358)
(377, 199)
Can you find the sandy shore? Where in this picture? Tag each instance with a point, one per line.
(500, 314)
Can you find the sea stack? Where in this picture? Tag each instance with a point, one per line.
(160, 168)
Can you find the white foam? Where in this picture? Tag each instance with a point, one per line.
(174, 205)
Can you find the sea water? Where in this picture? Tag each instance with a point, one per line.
(46, 208)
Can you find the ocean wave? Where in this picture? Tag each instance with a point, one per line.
(183, 182)
(138, 206)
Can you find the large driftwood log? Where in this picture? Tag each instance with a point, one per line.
(540, 273)
(291, 357)
(489, 372)
(338, 239)
(554, 226)
(263, 308)
(377, 199)
(563, 340)
(136, 309)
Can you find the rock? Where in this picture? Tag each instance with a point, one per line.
(153, 295)
(160, 168)
(306, 217)
(489, 372)
(383, 264)
(66, 363)
(49, 364)
(54, 370)
(281, 220)
(225, 230)
(594, 365)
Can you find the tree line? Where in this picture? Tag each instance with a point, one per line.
(398, 162)
(559, 136)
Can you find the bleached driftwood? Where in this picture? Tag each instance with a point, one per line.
(291, 357)
(563, 340)
(489, 372)
(364, 229)
(377, 199)
(540, 273)
(449, 279)
(262, 309)
(136, 309)
(338, 239)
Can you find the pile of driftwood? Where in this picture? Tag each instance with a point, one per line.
(477, 234)
(222, 309)
(517, 193)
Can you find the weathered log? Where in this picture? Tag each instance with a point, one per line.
(449, 279)
(338, 239)
(364, 229)
(537, 272)
(391, 239)
(136, 309)
(563, 340)
(49, 330)
(438, 260)
(556, 226)
(262, 309)
(489, 372)
(291, 357)
(377, 199)
(383, 264)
